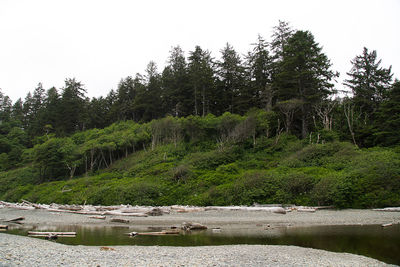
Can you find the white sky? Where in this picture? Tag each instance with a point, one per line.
(100, 42)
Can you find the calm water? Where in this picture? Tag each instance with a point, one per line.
(368, 240)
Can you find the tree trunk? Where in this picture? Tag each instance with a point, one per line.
(304, 130)
(204, 100)
(195, 101)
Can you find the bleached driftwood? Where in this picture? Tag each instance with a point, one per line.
(306, 210)
(3, 226)
(393, 209)
(387, 224)
(33, 233)
(118, 213)
(164, 232)
(279, 210)
(183, 209)
(98, 217)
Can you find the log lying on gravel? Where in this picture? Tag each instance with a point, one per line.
(119, 220)
(98, 217)
(118, 213)
(3, 226)
(387, 224)
(393, 209)
(306, 210)
(20, 206)
(193, 226)
(279, 210)
(184, 209)
(18, 219)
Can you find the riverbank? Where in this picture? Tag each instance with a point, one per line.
(227, 219)
(24, 251)
(18, 250)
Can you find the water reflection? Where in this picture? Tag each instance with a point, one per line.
(369, 240)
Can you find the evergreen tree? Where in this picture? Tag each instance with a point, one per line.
(148, 101)
(5, 108)
(231, 74)
(305, 75)
(37, 111)
(368, 81)
(176, 97)
(126, 94)
(259, 64)
(53, 113)
(98, 113)
(387, 123)
(280, 38)
(201, 74)
(18, 112)
(72, 105)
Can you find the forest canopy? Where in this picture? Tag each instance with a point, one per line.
(282, 87)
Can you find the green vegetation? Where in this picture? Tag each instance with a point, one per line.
(177, 161)
(265, 128)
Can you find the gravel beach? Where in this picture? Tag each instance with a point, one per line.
(25, 251)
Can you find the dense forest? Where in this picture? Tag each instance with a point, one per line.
(266, 127)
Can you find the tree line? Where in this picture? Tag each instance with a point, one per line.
(289, 78)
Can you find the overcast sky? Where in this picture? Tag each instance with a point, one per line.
(100, 42)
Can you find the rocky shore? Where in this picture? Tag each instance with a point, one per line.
(25, 251)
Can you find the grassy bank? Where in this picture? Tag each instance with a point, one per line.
(289, 171)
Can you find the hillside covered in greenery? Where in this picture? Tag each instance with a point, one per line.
(267, 127)
(204, 161)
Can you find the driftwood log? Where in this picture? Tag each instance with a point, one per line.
(306, 210)
(18, 219)
(98, 217)
(119, 220)
(118, 213)
(164, 232)
(193, 226)
(68, 234)
(394, 209)
(279, 210)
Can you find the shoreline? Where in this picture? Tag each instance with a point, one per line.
(26, 251)
(229, 219)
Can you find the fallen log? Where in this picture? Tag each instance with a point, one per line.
(20, 207)
(118, 213)
(387, 224)
(306, 210)
(165, 232)
(184, 209)
(18, 219)
(279, 210)
(193, 226)
(98, 217)
(119, 220)
(393, 209)
(155, 212)
(3, 226)
(58, 210)
(70, 207)
(88, 212)
(32, 233)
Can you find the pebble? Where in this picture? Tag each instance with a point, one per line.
(26, 251)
